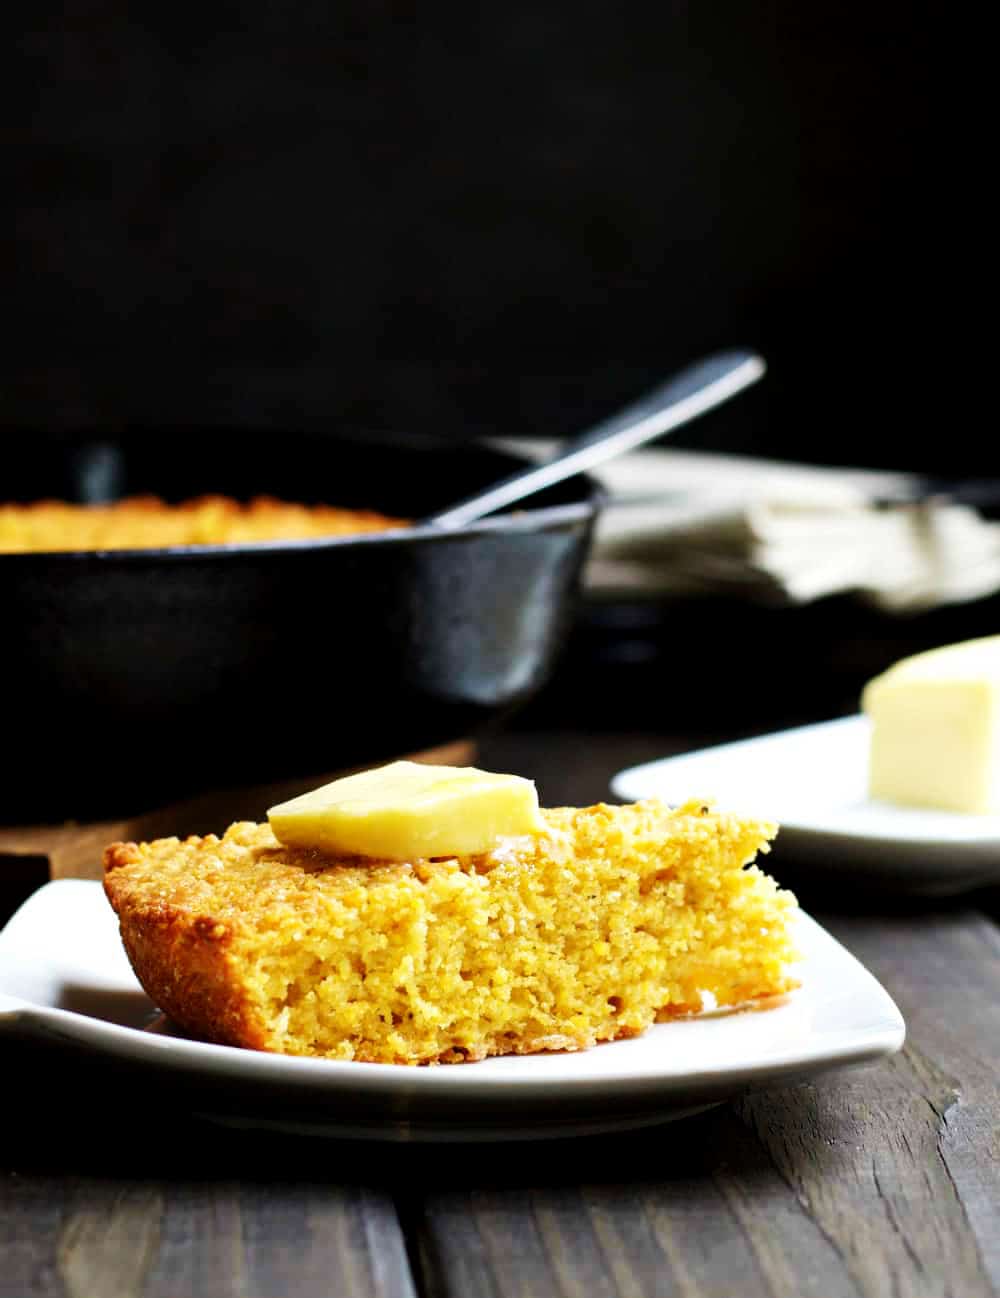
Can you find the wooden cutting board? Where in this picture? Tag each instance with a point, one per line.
(34, 853)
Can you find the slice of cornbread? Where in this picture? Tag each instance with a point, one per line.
(612, 918)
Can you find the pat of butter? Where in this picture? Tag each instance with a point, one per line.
(936, 729)
(408, 811)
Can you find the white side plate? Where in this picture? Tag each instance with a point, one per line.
(63, 973)
(813, 781)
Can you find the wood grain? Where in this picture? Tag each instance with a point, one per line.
(182, 1211)
(944, 972)
(230, 1241)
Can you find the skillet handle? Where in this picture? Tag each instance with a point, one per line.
(694, 391)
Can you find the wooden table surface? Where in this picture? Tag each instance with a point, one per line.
(877, 1181)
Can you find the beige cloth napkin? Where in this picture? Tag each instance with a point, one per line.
(687, 522)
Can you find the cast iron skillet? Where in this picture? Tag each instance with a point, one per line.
(131, 678)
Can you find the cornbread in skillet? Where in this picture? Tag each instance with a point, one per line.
(611, 918)
(144, 522)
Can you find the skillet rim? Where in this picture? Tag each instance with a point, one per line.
(538, 520)
(520, 519)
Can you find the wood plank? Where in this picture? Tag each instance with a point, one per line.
(30, 1216)
(161, 1240)
(875, 1181)
(673, 1210)
(944, 972)
(232, 1241)
(262, 1238)
(138, 1200)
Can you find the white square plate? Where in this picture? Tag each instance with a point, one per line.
(63, 973)
(813, 781)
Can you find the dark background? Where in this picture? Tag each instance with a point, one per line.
(496, 220)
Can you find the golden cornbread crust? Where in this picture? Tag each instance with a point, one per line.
(613, 918)
(146, 522)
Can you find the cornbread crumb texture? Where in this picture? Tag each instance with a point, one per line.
(614, 917)
(145, 522)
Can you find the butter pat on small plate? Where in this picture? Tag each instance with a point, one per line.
(936, 728)
(813, 781)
